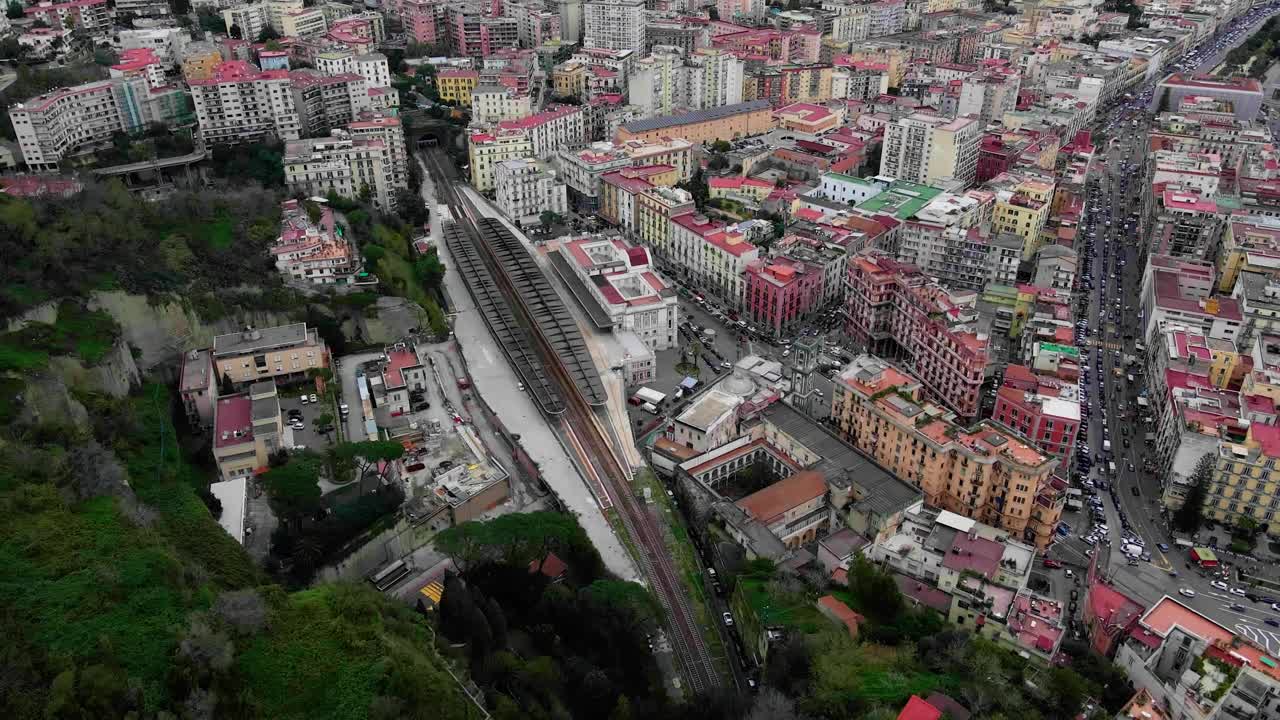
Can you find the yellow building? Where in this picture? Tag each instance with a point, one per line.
(654, 209)
(286, 353)
(896, 58)
(727, 122)
(986, 472)
(570, 79)
(199, 61)
(1246, 480)
(1022, 207)
(676, 152)
(455, 85)
(1247, 248)
(246, 430)
(487, 149)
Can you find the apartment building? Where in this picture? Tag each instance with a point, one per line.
(91, 16)
(240, 103)
(60, 123)
(949, 239)
(247, 430)
(303, 22)
(926, 148)
(620, 189)
(782, 294)
(1056, 267)
(456, 84)
(1022, 204)
(583, 168)
(1043, 408)
(492, 104)
(1181, 660)
(671, 80)
(1176, 292)
(283, 354)
(487, 149)
(324, 102)
(422, 20)
(473, 32)
(346, 165)
(168, 43)
(314, 252)
(622, 279)
(246, 22)
(198, 387)
(986, 472)
(897, 311)
(712, 256)
(556, 127)
(655, 208)
(614, 24)
(525, 188)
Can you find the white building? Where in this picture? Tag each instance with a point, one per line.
(241, 103)
(317, 165)
(559, 126)
(168, 43)
(614, 24)
(495, 103)
(926, 148)
(623, 281)
(713, 255)
(667, 82)
(524, 188)
(312, 252)
(246, 21)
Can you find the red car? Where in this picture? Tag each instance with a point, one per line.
(1051, 563)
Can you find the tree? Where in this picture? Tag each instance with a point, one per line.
(429, 271)
(225, 386)
(549, 218)
(497, 623)
(1188, 517)
(268, 33)
(14, 10)
(105, 56)
(293, 487)
(456, 606)
(324, 423)
(236, 32)
(721, 146)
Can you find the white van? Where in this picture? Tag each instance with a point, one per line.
(650, 408)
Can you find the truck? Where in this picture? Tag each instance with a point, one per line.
(709, 333)
(649, 395)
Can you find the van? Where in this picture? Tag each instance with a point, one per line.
(649, 408)
(1106, 446)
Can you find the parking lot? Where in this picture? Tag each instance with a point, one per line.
(307, 437)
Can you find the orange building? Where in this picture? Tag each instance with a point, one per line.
(986, 472)
(728, 122)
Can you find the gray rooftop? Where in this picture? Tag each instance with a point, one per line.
(697, 116)
(265, 408)
(259, 339)
(197, 370)
(878, 489)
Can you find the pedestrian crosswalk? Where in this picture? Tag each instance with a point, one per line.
(1107, 344)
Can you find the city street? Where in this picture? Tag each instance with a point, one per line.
(1113, 451)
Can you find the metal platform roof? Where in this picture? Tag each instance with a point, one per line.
(513, 338)
(599, 317)
(546, 308)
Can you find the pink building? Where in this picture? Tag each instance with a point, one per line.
(93, 16)
(782, 293)
(1044, 409)
(421, 20)
(898, 311)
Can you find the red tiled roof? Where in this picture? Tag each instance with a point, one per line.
(773, 501)
(917, 709)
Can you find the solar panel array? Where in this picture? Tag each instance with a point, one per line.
(545, 307)
(513, 338)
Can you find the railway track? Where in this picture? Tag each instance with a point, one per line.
(581, 425)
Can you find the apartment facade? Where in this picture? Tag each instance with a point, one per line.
(488, 149)
(622, 279)
(283, 354)
(52, 126)
(524, 189)
(713, 256)
(728, 122)
(342, 164)
(897, 311)
(240, 103)
(312, 252)
(927, 148)
(986, 472)
(614, 24)
(92, 16)
(556, 127)
(782, 293)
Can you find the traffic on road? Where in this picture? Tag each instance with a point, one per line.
(1113, 464)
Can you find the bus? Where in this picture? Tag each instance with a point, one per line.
(389, 575)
